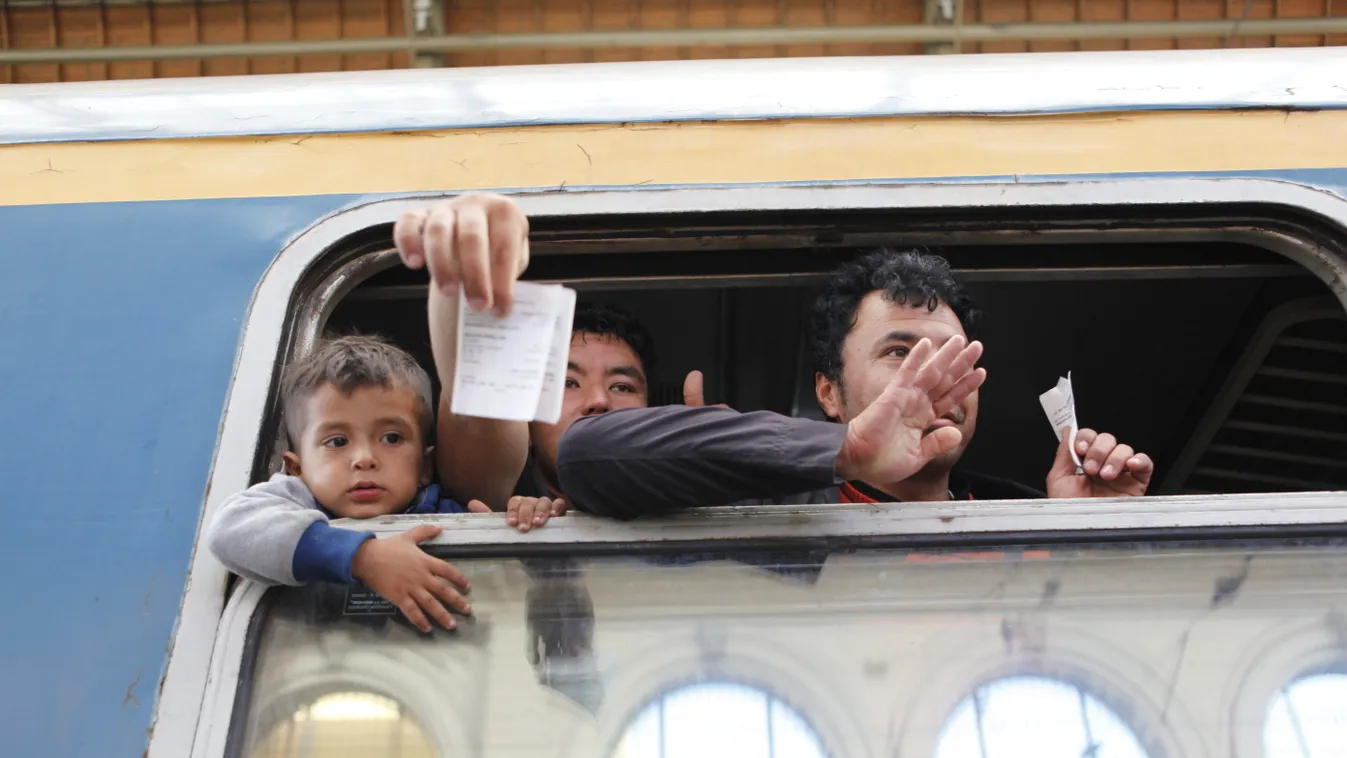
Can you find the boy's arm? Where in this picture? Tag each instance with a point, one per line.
(273, 533)
(481, 243)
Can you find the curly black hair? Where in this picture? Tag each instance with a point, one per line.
(608, 321)
(909, 277)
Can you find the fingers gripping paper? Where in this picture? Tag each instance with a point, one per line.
(514, 367)
(1060, 405)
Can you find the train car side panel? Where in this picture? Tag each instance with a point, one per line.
(119, 325)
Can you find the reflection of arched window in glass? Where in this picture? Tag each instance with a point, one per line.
(1033, 715)
(354, 724)
(718, 719)
(1308, 718)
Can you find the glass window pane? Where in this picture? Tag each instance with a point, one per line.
(1114, 738)
(791, 736)
(719, 719)
(643, 737)
(1280, 738)
(1028, 715)
(961, 737)
(849, 653)
(1308, 718)
(715, 719)
(347, 725)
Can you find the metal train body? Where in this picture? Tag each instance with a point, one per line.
(156, 235)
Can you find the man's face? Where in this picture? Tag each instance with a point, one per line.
(883, 334)
(602, 374)
(361, 454)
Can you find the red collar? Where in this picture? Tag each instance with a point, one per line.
(859, 492)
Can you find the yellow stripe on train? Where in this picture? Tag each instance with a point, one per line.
(725, 152)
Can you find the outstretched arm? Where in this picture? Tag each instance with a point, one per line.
(274, 533)
(647, 461)
(478, 242)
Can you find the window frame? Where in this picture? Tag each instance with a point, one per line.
(1152, 744)
(197, 694)
(771, 696)
(1337, 669)
(1282, 656)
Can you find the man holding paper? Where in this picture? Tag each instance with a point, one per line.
(905, 422)
(517, 361)
(894, 366)
(493, 409)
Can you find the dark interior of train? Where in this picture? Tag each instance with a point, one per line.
(1226, 362)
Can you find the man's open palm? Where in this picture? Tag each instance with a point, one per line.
(888, 441)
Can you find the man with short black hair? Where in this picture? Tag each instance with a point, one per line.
(893, 365)
(611, 359)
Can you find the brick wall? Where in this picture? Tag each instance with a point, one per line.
(184, 23)
(90, 23)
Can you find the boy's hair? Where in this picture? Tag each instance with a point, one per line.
(907, 278)
(607, 321)
(349, 363)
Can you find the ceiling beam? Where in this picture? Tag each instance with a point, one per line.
(694, 38)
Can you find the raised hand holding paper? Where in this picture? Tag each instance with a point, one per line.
(1060, 405)
(514, 367)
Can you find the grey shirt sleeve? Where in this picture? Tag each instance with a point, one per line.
(256, 531)
(646, 461)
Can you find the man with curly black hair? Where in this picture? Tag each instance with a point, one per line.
(894, 368)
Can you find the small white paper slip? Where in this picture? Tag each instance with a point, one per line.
(554, 380)
(514, 368)
(1060, 405)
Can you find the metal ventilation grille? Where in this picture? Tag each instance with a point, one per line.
(1280, 423)
(666, 393)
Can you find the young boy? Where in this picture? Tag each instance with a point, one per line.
(357, 413)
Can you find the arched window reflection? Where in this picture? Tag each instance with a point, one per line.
(347, 725)
(1032, 715)
(1308, 718)
(718, 719)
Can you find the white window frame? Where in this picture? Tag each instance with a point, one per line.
(195, 701)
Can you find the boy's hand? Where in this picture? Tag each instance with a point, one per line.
(529, 512)
(399, 570)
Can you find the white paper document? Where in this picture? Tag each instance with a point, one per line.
(1060, 405)
(514, 368)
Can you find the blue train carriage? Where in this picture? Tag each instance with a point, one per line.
(1170, 227)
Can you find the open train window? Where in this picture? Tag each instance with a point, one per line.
(1204, 334)
(1220, 358)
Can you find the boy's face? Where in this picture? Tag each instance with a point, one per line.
(361, 454)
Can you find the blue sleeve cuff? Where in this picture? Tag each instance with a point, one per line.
(325, 553)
